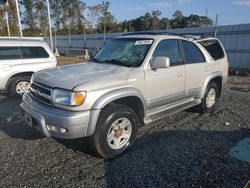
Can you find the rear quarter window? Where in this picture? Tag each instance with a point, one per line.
(9, 53)
(33, 52)
(214, 49)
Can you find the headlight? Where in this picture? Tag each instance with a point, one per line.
(68, 98)
(31, 79)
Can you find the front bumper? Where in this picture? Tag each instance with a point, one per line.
(42, 116)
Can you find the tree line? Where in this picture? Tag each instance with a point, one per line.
(76, 17)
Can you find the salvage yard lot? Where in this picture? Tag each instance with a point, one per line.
(183, 150)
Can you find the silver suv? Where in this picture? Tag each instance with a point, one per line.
(134, 80)
(19, 59)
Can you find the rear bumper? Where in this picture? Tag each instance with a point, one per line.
(43, 116)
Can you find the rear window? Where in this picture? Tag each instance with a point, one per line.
(33, 52)
(214, 49)
(9, 53)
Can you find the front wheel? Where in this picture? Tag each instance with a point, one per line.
(116, 130)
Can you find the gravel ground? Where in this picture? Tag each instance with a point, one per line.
(183, 150)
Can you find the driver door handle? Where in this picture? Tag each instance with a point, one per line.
(7, 67)
(179, 75)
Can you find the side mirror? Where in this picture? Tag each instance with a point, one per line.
(161, 62)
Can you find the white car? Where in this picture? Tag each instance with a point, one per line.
(19, 59)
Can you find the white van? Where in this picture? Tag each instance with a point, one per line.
(19, 59)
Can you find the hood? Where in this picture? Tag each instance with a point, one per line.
(68, 77)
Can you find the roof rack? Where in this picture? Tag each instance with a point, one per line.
(192, 37)
(141, 33)
(150, 33)
(187, 36)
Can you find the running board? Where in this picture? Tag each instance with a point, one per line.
(165, 111)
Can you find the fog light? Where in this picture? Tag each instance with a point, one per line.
(56, 129)
(62, 130)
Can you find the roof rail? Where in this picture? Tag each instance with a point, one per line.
(22, 38)
(141, 33)
(187, 36)
(150, 33)
(192, 37)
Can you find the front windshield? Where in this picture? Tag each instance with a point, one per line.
(128, 52)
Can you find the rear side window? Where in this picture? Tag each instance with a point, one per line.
(9, 53)
(33, 52)
(192, 53)
(214, 49)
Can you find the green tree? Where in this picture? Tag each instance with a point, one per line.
(41, 13)
(56, 9)
(179, 21)
(68, 15)
(78, 10)
(94, 12)
(28, 15)
(195, 20)
(12, 19)
(155, 20)
(106, 22)
(164, 23)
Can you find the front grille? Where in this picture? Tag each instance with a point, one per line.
(41, 93)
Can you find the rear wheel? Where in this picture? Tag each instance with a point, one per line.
(210, 98)
(19, 85)
(116, 130)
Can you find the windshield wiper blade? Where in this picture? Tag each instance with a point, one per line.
(117, 62)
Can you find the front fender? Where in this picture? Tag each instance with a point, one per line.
(117, 94)
(108, 98)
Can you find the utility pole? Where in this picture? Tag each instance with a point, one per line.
(50, 27)
(7, 17)
(18, 17)
(205, 24)
(82, 19)
(105, 19)
(56, 50)
(216, 23)
(104, 31)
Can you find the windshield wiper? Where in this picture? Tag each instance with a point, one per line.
(116, 62)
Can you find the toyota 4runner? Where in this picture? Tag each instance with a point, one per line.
(135, 79)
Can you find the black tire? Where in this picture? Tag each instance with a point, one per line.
(107, 117)
(13, 84)
(203, 107)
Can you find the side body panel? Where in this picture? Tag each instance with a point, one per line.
(164, 86)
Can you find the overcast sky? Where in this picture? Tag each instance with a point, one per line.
(230, 11)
